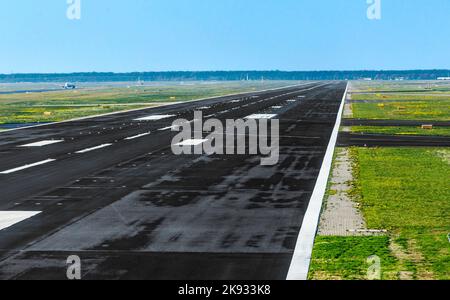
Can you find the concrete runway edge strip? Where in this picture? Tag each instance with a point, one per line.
(301, 259)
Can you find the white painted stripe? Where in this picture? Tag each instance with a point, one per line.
(27, 166)
(194, 142)
(137, 136)
(9, 218)
(277, 107)
(42, 143)
(93, 148)
(261, 116)
(302, 255)
(154, 118)
(167, 128)
(176, 127)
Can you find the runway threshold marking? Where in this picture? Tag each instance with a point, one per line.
(42, 143)
(154, 118)
(10, 218)
(27, 166)
(93, 148)
(301, 259)
(137, 136)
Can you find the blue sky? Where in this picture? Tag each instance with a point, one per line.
(157, 35)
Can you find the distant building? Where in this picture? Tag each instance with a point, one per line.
(443, 78)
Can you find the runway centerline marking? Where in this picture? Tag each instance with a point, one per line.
(166, 128)
(137, 136)
(10, 218)
(42, 143)
(93, 148)
(27, 166)
(191, 142)
(154, 118)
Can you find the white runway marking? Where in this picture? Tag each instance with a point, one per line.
(301, 259)
(277, 107)
(27, 166)
(166, 128)
(9, 218)
(93, 148)
(194, 142)
(137, 136)
(42, 143)
(154, 118)
(177, 127)
(261, 116)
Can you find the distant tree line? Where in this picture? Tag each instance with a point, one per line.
(226, 76)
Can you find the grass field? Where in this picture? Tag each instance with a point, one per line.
(404, 110)
(345, 258)
(401, 97)
(405, 191)
(401, 101)
(402, 190)
(402, 86)
(63, 105)
(402, 130)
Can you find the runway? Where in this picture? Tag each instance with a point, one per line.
(110, 190)
(347, 139)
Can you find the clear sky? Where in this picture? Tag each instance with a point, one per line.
(159, 35)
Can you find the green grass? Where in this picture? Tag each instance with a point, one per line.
(20, 114)
(408, 101)
(406, 110)
(402, 130)
(400, 97)
(346, 257)
(402, 86)
(405, 191)
(63, 105)
(399, 186)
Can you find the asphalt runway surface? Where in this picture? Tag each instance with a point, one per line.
(347, 139)
(110, 190)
